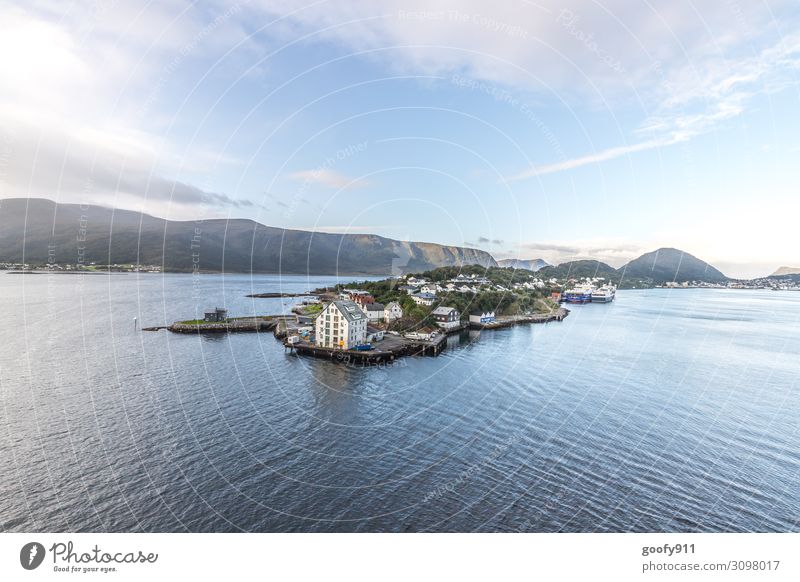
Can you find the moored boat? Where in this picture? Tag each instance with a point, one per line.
(604, 294)
(578, 295)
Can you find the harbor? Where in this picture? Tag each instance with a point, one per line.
(298, 332)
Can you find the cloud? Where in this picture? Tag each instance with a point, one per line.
(69, 163)
(71, 104)
(697, 98)
(601, 156)
(615, 252)
(329, 178)
(689, 66)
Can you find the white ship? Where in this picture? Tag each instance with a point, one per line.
(604, 294)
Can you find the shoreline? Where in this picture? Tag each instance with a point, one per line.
(389, 349)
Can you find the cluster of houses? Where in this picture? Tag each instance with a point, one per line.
(375, 312)
(347, 322)
(425, 292)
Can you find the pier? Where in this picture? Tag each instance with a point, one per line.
(512, 320)
(387, 350)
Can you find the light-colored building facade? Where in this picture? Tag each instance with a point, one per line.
(373, 311)
(424, 299)
(483, 318)
(341, 325)
(393, 311)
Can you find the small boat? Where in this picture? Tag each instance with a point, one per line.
(604, 294)
(363, 347)
(578, 295)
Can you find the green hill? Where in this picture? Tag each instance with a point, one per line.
(665, 265)
(579, 270)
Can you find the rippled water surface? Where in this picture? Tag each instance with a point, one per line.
(665, 411)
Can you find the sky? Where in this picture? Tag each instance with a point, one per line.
(548, 129)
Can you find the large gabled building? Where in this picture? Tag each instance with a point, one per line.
(446, 317)
(341, 325)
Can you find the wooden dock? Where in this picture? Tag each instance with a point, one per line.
(511, 321)
(387, 350)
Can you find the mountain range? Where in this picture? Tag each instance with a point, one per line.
(783, 271)
(37, 231)
(657, 267)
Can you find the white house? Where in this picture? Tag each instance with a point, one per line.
(483, 318)
(424, 299)
(374, 334)
(341, 325)
(392, 311)
(431, 288)
(447, 317)
(374, 311)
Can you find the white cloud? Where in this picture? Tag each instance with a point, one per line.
(697, 99)
(601, 156)
(613, 251)
(690, 66)
(71, 101)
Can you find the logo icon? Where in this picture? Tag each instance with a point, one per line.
(31, 555)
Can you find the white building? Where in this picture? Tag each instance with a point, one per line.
(373, 311)
(424, 299)
(374, 334)
(393, 311)
(341, 325)
(483, 318)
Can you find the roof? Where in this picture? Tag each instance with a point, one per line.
(374, 307)
(426, 296)
(350, 310)
(443, 310)
(392, 304)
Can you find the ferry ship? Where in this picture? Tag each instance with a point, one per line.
(604, 294)
(578, 295)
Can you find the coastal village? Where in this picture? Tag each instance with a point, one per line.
(373, 322)
(378, 321)
(416, 320)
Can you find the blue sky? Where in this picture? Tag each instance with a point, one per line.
(558, 130)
